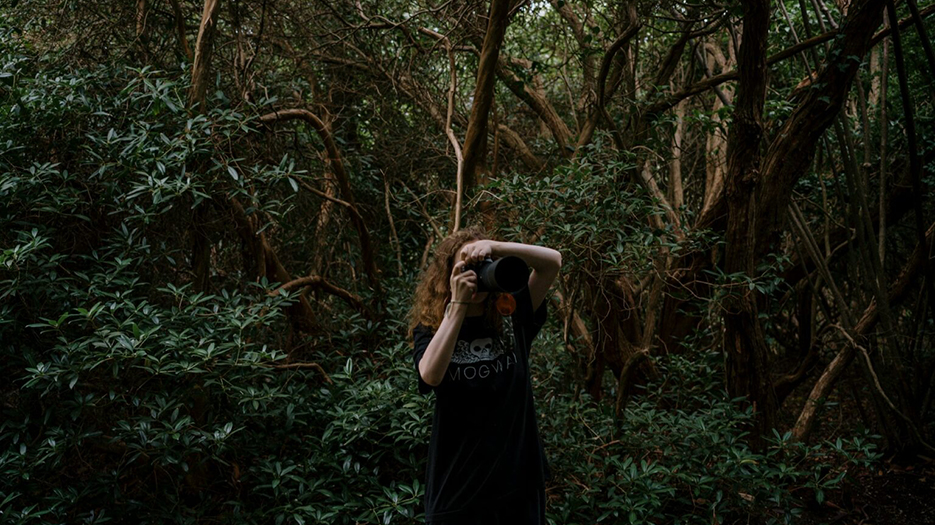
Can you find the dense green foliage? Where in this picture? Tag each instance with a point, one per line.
(131, 397)
(111, 362)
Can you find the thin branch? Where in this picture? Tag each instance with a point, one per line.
(320, 283)
(350, 207)
(876, 383)
(316, 366)
(337, 165)
(180, 28)
(704, 85)
(452, 88)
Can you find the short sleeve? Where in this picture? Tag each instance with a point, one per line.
(421, 336)
(529, 321)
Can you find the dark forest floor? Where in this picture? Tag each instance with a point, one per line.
(892, 495)
(896, 492)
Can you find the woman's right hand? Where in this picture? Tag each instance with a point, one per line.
(463, 285)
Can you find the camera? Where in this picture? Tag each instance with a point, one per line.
(508, 274)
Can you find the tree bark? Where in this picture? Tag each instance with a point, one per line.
(475, 140)
(539, 104)
(263, 259)
(744, 341)
(676, 190)
(180, 28)
(142, 13)
(203, 47)
(898, 291)
(716, 141)
(337, 166)
(791, 152)
(201, 245)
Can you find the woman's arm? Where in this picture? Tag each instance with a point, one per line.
(437, 355)
(545, 263)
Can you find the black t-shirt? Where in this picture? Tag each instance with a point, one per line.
(485, 444)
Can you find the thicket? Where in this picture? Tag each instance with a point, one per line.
(130, 397)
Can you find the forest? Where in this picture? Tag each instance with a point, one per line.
(214, 214)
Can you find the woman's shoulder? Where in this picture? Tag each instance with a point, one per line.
(422, 328)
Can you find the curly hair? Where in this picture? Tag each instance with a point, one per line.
(433, 293)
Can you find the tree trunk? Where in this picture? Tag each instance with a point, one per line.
(716, 141)
(475, 140)
(180, 28)
(744, 342)
(898, 292)
(203, 47)
(201, 245)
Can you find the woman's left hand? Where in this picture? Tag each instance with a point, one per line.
(476, 251)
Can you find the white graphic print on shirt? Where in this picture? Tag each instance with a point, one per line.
(484, 348)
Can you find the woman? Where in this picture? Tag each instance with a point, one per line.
(486, 464)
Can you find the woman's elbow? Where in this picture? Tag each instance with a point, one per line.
(555, 259)
(428, 378)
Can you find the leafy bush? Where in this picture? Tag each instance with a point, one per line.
(677, 455)
(130, 397)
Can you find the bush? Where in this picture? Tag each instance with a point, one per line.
(677, 455)
(130, 397)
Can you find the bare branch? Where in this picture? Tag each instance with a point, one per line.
(704, 85)
(202, 62)
(337, 165)
(180, 28)
(475, 138)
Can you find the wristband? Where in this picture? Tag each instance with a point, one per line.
(448, 307)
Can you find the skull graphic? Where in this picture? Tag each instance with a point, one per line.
(482, 349)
